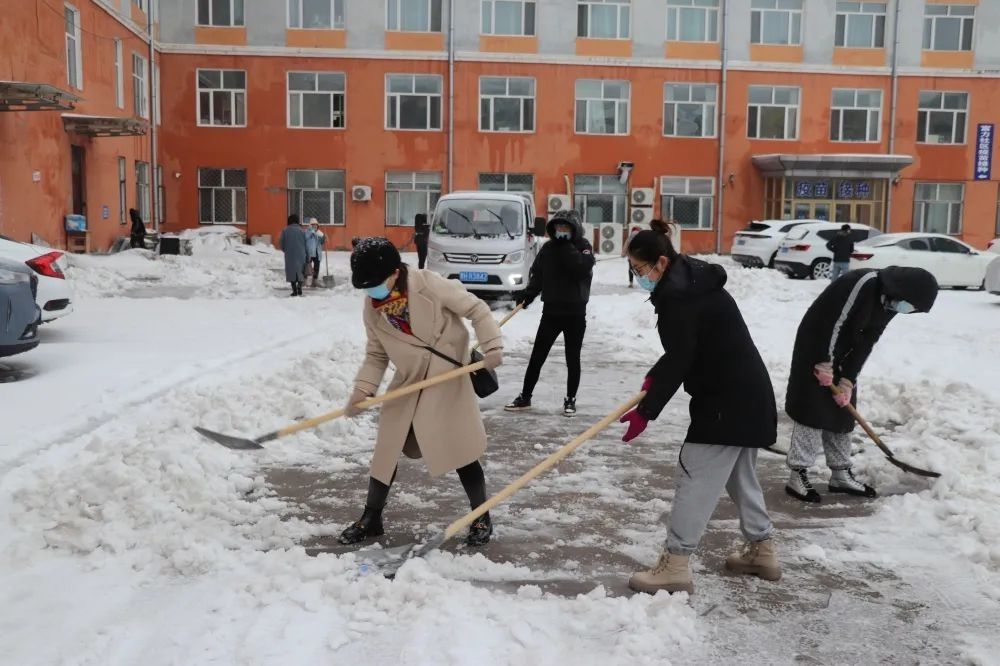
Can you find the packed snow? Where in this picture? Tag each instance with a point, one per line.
(126, 538)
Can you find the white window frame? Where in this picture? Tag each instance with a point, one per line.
(689, 187)
(296, 15)
(233, 189)
(873, 120)
(122, 190)
(140, 89)
(507, 182)
(233, 23)
(74, 41)
(708, 108)
(332, 94)
(142, 191)
(428, 182)
(488, 22)
(623, 18)
(394, 15)
(963, 13)
(161, 198)
(677, 9)
(607, 186)
(338, 197)
(235, 94)
(921, 206)
(924, 113)
(760, 11)
(119, 74)
(851, 13)
(796, 106)
(157, 97)
(141, 4)
(621, 106)
(394, 99)
(489, 98)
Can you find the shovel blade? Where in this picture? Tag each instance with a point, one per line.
(389, 560)
(229, 441)
(913, 470)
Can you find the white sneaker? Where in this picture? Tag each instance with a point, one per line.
(843, 481)
(800, 488)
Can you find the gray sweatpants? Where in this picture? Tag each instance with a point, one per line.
(703, 470)
(808, 442)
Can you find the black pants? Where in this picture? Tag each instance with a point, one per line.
(472, 477)
(421, 243)
(315, 264)
(137, 242)
(573, 327)
(631, 276)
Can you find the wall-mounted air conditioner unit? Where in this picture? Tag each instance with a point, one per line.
(558, 202)
(642, 196)
(641, 216)
(361, 193)
(611, 239)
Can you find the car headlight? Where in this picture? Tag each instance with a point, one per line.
(514, 257)
(434, 255)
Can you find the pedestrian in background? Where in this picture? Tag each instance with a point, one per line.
(842, 246)
(293, 243)
(421, 235)
(137, 235)
(315, 242)
(631, 234)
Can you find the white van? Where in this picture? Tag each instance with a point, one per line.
(484, 239)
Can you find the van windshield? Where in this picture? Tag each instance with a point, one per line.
(479, 218)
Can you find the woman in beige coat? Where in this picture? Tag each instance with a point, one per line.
(406, 311)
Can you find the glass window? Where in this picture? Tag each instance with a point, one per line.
(773, 113)
(122, 192)
(161, 198)
(408, 193)
(507, 182)
(316, 14)
(506, 104)
(693, 20)
(508, 17)
(318, 194)
(119, 74)
(776, 22)
(413, 102)
(142, 189)
(942, 117)
(603, 19)
(602, 107)
(414, 15)
(860, 25)
(316, 99)
(855, 115)
(688, 201)
(689, 109)
(74, 46)
(222, 97)
(600, 199)
(222, 13)
(937, 208)
(140, 92)
(949, 27)
(222, 196)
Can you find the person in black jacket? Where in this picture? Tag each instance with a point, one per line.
(561, 273)
(842, 247)
(833, 342)
(707, 349)
(137, 235)
(421, 234)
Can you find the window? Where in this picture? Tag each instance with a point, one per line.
(161, 205)
(221, 13)
(776, 22)
(693, 20)
(222, 196)
(942, 117)
(937, 208)
(508, 17)
(602, 107)
(687, 201)
(408, 193)
(316, 99)
(74, 55)
(413, 102)
(603, 19)
(157, 97)
(855, 115)
(316, 14)
(122, 192)
(119, 74)
(688, 109)
(861, 25)
(318, 194)
(600, 199)
(222, 97)
(773, 113)
(413, 15)
(142, 189)
(506, 104)
(507, 182)
(140, 94)
(948, 245)
(949, 27)
(141, 4)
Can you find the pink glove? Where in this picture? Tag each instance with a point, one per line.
(845, 389)
(647, 383)
(824, 373)
(636, 425)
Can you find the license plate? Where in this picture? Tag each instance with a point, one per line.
(784, 250)
(471, 276)
(741, 241)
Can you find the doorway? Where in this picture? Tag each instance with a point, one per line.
(77, 157)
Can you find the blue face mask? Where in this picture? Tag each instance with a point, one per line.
(901, 307)
(378, 292)
(563, 235)
(645, 283)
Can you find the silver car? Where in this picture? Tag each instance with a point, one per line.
(19, 315)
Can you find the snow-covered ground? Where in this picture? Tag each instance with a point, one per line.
(125, 538)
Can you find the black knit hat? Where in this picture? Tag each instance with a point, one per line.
(373, 260)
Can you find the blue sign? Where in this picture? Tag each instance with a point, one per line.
(864, 189)
(823, 189)
(803, 189)
(105, 212)
(984, 151)
(845, 189)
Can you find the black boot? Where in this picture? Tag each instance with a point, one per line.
(368, 526)
(474, 482)
(480, 531)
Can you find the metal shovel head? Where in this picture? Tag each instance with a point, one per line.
(389, 560)
(228, 441)
(913, 470)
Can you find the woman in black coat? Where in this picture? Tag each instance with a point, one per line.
(137, 233)
(833, 342)
(707, 349)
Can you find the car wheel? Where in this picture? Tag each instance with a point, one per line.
(822, 269)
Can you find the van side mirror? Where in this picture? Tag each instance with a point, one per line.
(539, 228)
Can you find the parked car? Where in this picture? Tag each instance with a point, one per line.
(993, 246)
(992, 281)
(19, 315)
(55, 297)
(757, 245)
(803, 252)
(952, 262)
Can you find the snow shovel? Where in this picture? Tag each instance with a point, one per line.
(327, 279)
(241, 443)
(390, 559)
(510, 315)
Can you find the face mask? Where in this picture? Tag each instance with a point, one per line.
(646, 283)
(378, 292)
(563, 235)
(902, 307)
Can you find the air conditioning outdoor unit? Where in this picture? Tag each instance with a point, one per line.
(642, 196)
(641, 215)
(361, 193)
(611, 239)
(558, 202)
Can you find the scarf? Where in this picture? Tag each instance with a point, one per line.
(396, 309)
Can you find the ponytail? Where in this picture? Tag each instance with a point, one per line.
(648, 246)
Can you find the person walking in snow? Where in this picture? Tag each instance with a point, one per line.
(707, 349)
(293, 243)
(315, 242)
(406, 311)
(833, 342)
(631, 234)
(561, 274)
(137, 235)
(842, 246)
(421, 236)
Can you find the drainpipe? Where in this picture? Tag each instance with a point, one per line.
(721, 126)
(154, 191)
(451, 94)
(892, 111)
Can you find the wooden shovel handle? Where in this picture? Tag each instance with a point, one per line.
(503, 321)
(549, 462)
(385, 397)
(864, 424)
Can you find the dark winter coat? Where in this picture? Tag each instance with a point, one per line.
(562, 273)
(708, 348)
(842, 325)
(293, 244)
(842, 246)
(138, 230)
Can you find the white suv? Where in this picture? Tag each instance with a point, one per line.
(803, 252)
(757, 245)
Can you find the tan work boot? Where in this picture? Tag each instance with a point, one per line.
(757, 559)
(671, 573)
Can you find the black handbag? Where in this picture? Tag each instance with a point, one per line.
(484, 381)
